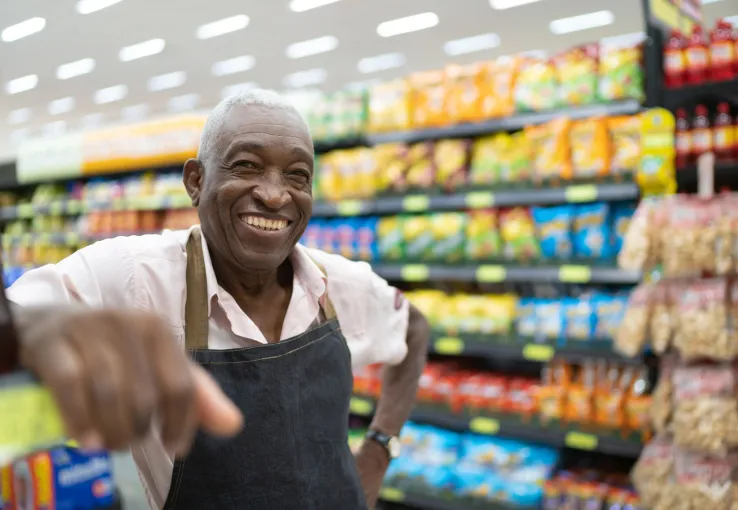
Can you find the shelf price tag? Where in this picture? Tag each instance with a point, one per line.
(415, 203)
(349, 207)
(449, 345)
(479, 199)
(483, 425)
(581, 193)
(415, 273)
(538, 352)
(391, 495)
(361, 406)
(491, 274)
(581, 441)
(575, 274)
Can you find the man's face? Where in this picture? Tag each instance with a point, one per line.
(254, 192)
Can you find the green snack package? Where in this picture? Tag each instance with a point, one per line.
(519, 235)
(391, 245)
(448, 237)
(483, 240)
(418, 237)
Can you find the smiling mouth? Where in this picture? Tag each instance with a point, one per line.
(266, 224)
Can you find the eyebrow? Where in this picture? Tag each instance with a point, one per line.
(299, 151)
(243, 145)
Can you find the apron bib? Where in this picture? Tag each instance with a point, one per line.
(293, 452)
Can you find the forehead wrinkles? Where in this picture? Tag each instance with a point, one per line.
(263, 121)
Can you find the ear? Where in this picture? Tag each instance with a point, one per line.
(193, 178)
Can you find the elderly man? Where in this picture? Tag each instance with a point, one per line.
(257, 419)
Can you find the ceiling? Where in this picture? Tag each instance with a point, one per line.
(69, 36)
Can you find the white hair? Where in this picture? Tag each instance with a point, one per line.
(257, 97)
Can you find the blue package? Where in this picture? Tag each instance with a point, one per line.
(592, 231)
(524, 495)
(437, 447)
(311, 237)
(609, 312)
(621, 217)
(527, 325)
(366, 240)
(579, 318)
(438, 478)
(553, 227)
(549, 313)
(346, 232)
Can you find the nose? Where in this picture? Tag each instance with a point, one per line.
(272, 192)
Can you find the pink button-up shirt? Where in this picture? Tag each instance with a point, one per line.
(148, 273)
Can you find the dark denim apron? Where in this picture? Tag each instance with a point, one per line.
(293, 453)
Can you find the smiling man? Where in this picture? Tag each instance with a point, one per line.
(277, 326)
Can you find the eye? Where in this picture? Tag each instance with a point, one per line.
(300, 175)
(246, 164)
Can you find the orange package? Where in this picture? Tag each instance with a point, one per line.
(609, 396)
(580, 397)
(625, 136)
(551, 150)
(465, 94)
(497, 82)
(429, 95)
(638, 402)
(556, 379)
(389, 107)
(590, 148)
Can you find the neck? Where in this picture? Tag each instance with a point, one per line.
(248, 284)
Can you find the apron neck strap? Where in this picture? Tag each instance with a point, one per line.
(196, 305)
(325, 302)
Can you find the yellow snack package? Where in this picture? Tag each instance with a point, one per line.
(485, 161)
(551, 149)
(391, 162)
(389, 108)
(625, 135)
(465, 93)
(432, 304)
(429, 94)
(537, 86)
(497, 82)
(496, 313)
(421, 170)
(366, 173)
(451, 160)
(590, 148)
(330, 179)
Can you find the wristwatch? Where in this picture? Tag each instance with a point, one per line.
(390, 443)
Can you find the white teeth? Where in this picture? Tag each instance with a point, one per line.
(264, 223)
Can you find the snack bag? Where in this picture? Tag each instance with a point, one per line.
(702, 321)
(705, 408)
(419, 237)
(451, 159)
(487, 155)
(550, 315)
(551, 149)
(553, 229)
(498, 88)
(518, 164)
(726, 240)
(429, 99)
(579, 318)
(662, 399)
(592, 235)
(664, 315)
(448, 232)
(625, 136)
(7, 495)
(483, 240)
(580, 395)
(465, 94)
(527, 324)
(496, 313)
(536, 87)
(366, 239)
(609, 395)
(631, 336)
(518, 235)
(609, 312)
(653, 470)
(706, 482)
(421, 173)
(622, 214)
(638, 402)
(576, 70)
(621, 73)
(590, 148)
(391, 241)
(389, 107)
(392, 163)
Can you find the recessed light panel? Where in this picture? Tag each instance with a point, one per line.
(22, 29)
(408, 24)
(222, 27)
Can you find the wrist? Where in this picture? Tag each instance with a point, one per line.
(374, 454)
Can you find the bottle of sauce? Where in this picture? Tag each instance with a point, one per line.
(683, 139)
(723, 133)
(698, 56)
(701, 132)
(722, 52)
(675, 64)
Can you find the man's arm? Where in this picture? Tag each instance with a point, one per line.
(399, 388)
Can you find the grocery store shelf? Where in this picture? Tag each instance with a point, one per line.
(511, 123)
(726, 176)
(513, 348)
(399, 498)
(556, 434)
(323, 146)
(692, 94)
(473, 199)
(497, 273)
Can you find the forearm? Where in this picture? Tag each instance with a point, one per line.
(400, 382)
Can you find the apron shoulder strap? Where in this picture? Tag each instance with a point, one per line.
(196, 304)
(326, 305)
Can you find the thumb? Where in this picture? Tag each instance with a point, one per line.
(215, 411)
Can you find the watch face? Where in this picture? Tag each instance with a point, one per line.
(394, 447)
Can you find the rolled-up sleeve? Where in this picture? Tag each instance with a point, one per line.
(373, 315)
(99, 275)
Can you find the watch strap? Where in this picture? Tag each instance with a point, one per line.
(381, 438)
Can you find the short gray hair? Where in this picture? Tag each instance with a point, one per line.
(258, 97)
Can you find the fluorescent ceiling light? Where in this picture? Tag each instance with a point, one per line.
(110, 94)
(167, 81)
(233, 65)
(471, 44)
(381, 62)
(306, 5)
(705, 2)
(408, 24)
(183, 103)
(312, 47)
(19, 116)
(92, 120)
(90, 6)
(223, 26)
(54, 128)
(141, 50)
(19, 135)
(509, 4)
(63, 105)
(305, 78)
(22, 84)
(76, 68)
(582, 22)
(234, 90)
(22, 29)
(135, 112)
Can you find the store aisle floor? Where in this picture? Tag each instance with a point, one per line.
(128, 483)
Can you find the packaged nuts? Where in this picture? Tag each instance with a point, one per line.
(662, 317)
(654, 470)
(663, 394)
(632, 334)
(705, 482)
(705, 409)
